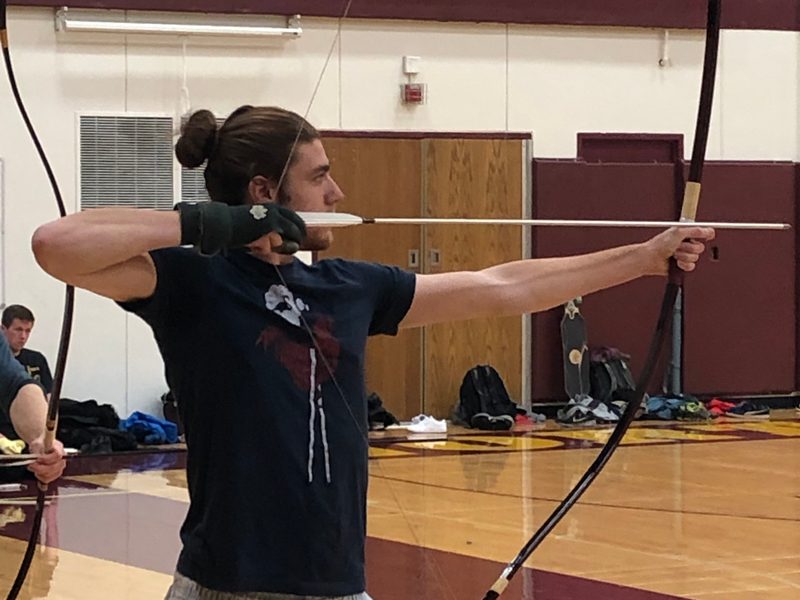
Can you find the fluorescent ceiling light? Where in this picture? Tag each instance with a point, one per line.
(94, 22)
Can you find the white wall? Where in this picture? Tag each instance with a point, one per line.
(551, 81)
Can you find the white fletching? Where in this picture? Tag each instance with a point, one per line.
(330, 219)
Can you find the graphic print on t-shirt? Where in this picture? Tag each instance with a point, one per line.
(281, 301)
(295, 350)
(35, 373)
(292, 348)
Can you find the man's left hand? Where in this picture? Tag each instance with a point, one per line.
(49, 466)
(684, 244)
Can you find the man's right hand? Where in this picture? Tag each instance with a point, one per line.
(214, 226)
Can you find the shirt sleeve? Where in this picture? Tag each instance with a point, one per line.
(180, 274)
(46, 378)
(393, 298)
(12, 376)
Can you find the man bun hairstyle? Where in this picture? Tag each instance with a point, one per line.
(198, 138)
(254, 140)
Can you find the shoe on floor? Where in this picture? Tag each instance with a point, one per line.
(489, 423)
(426, 424)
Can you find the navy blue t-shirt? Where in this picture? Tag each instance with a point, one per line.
(277, 461)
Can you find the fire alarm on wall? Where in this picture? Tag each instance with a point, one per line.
(411, 65)
(413, 93)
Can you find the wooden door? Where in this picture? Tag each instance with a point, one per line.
(382, 177)
(481, 179)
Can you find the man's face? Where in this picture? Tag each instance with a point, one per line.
(17, 334)
(310, 187)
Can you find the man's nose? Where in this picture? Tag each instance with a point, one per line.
(336, 194)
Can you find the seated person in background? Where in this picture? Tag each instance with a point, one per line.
(23, 402)
(17, 326)
(17, 323)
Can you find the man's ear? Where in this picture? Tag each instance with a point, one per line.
(262, 189)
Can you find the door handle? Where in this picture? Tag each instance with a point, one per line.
(435, 257)
(413, 259)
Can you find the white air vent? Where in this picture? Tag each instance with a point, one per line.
(193, 184)
(126, 161)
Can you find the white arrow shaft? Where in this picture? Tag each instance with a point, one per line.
(331, 219)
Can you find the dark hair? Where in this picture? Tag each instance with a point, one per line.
(254, 140)
(16, 311)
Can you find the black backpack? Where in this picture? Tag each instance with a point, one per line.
(610, 375)
(378, 416)
(483, 393)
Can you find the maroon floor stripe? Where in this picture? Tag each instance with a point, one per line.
(398, 571)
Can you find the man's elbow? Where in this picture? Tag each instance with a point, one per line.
(47, 245)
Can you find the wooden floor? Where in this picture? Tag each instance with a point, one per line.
(705, 511)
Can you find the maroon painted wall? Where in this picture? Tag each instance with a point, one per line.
(741, 309)
(736, 14)
(622, 317)
(741, 332)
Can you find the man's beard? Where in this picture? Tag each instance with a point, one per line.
(316, 240)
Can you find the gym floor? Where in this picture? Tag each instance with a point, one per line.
(688, 510)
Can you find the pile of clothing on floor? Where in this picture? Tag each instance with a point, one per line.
(744, 408)
(675, 407)
(96, 428)
(585, 410)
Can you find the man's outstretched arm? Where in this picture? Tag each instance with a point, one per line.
(528, 286)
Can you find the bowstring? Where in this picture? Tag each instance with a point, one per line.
(314, 340)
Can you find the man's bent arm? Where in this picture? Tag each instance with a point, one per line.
(106, 250)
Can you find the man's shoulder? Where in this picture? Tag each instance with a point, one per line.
(28, 356)
(366, 273)
(348, 265)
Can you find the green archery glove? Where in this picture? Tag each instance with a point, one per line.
(214, 226)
